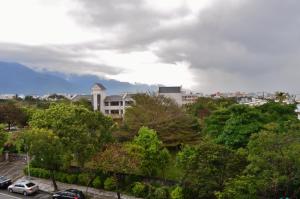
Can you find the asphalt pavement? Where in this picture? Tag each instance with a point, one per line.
(4, 194)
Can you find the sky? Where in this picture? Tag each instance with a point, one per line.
(203, 45)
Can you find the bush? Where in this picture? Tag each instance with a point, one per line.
(83, 179)
(177, 193)
(61, 177)
(160, 193)
(72, 178)
(110, 184)
(97, 183)
(37, 172)
(139, 189)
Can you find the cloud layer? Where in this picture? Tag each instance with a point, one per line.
(248, 45)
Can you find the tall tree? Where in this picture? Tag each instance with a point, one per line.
(47, 150)
(171, 123)
(273, 170)
(11, 114)
(84, 132)
(118, 159)
(154, 156)
(207, 167)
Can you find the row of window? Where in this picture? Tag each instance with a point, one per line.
(113, 112)
(118, 103)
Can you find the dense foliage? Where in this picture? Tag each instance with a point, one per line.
(171, 123)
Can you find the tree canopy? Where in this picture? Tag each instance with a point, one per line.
(171, 123)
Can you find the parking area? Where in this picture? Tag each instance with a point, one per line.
(6, 195)
(14, 171)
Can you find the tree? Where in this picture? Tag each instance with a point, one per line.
(234, 126)
(171, 123)
(3, 138)
(47, 150)
(204, 106)
(118, 159)
(83, 132)
(154, 157)
(11, 114)
(207, 167)
(281, 96)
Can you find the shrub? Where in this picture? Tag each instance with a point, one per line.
(83, 179)
(160, 193)
(110, 184)
(97, 183)
(138, 189)
(61, 177)
(177, 193)
(71, 178)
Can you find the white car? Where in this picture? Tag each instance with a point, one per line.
(24, 187)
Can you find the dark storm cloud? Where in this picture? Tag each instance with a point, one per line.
(66, 59)
(240, 45)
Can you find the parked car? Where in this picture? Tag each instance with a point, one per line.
(68, 194)
(4, 182)
(24, 187)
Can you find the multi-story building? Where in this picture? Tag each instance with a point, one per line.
(180, 96)
(112, 105)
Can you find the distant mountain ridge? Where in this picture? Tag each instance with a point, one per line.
(16, 78)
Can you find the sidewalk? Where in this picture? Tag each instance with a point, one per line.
(46, 186)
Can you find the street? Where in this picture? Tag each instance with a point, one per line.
(4, 194)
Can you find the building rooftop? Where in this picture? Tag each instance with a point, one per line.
(174, 89)
(100, 86)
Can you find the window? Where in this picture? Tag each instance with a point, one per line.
(114, 103)
(30, 184)
(106, 103)
(122, 112)
(106, 111)
(114, 111)
(98, 102)
(121, 103)
(128, 103)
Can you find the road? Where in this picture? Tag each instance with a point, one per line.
(4, 194)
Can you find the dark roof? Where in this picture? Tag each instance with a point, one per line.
(100, 86)
(174, 89)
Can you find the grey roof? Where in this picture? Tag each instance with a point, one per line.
(79, 97)
(165, 89)
(100, 86)
(117, 98)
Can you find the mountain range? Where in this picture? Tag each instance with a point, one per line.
(16, 78)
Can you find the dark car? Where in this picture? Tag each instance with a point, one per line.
(4, 182)
(68, 194)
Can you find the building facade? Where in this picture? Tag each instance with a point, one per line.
(180, 96)
(110, 105)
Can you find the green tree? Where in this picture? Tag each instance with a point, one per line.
(207, 167)
(82, 132)
(273, 169)
(3, 138)
(47, 149)
(171, 123)
(12, 115)
(118, 159)
(234, 126)
(154, 156)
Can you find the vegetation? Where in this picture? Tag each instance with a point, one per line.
(163, 115)
(210, 149)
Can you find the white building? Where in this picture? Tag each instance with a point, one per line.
(180, 96)
(113, 105)
(298, 111)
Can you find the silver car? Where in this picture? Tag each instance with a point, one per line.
(24, 187)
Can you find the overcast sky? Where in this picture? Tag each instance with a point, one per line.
(203, 45)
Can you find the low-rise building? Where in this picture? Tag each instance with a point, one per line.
(180, 96)
(110, 105)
